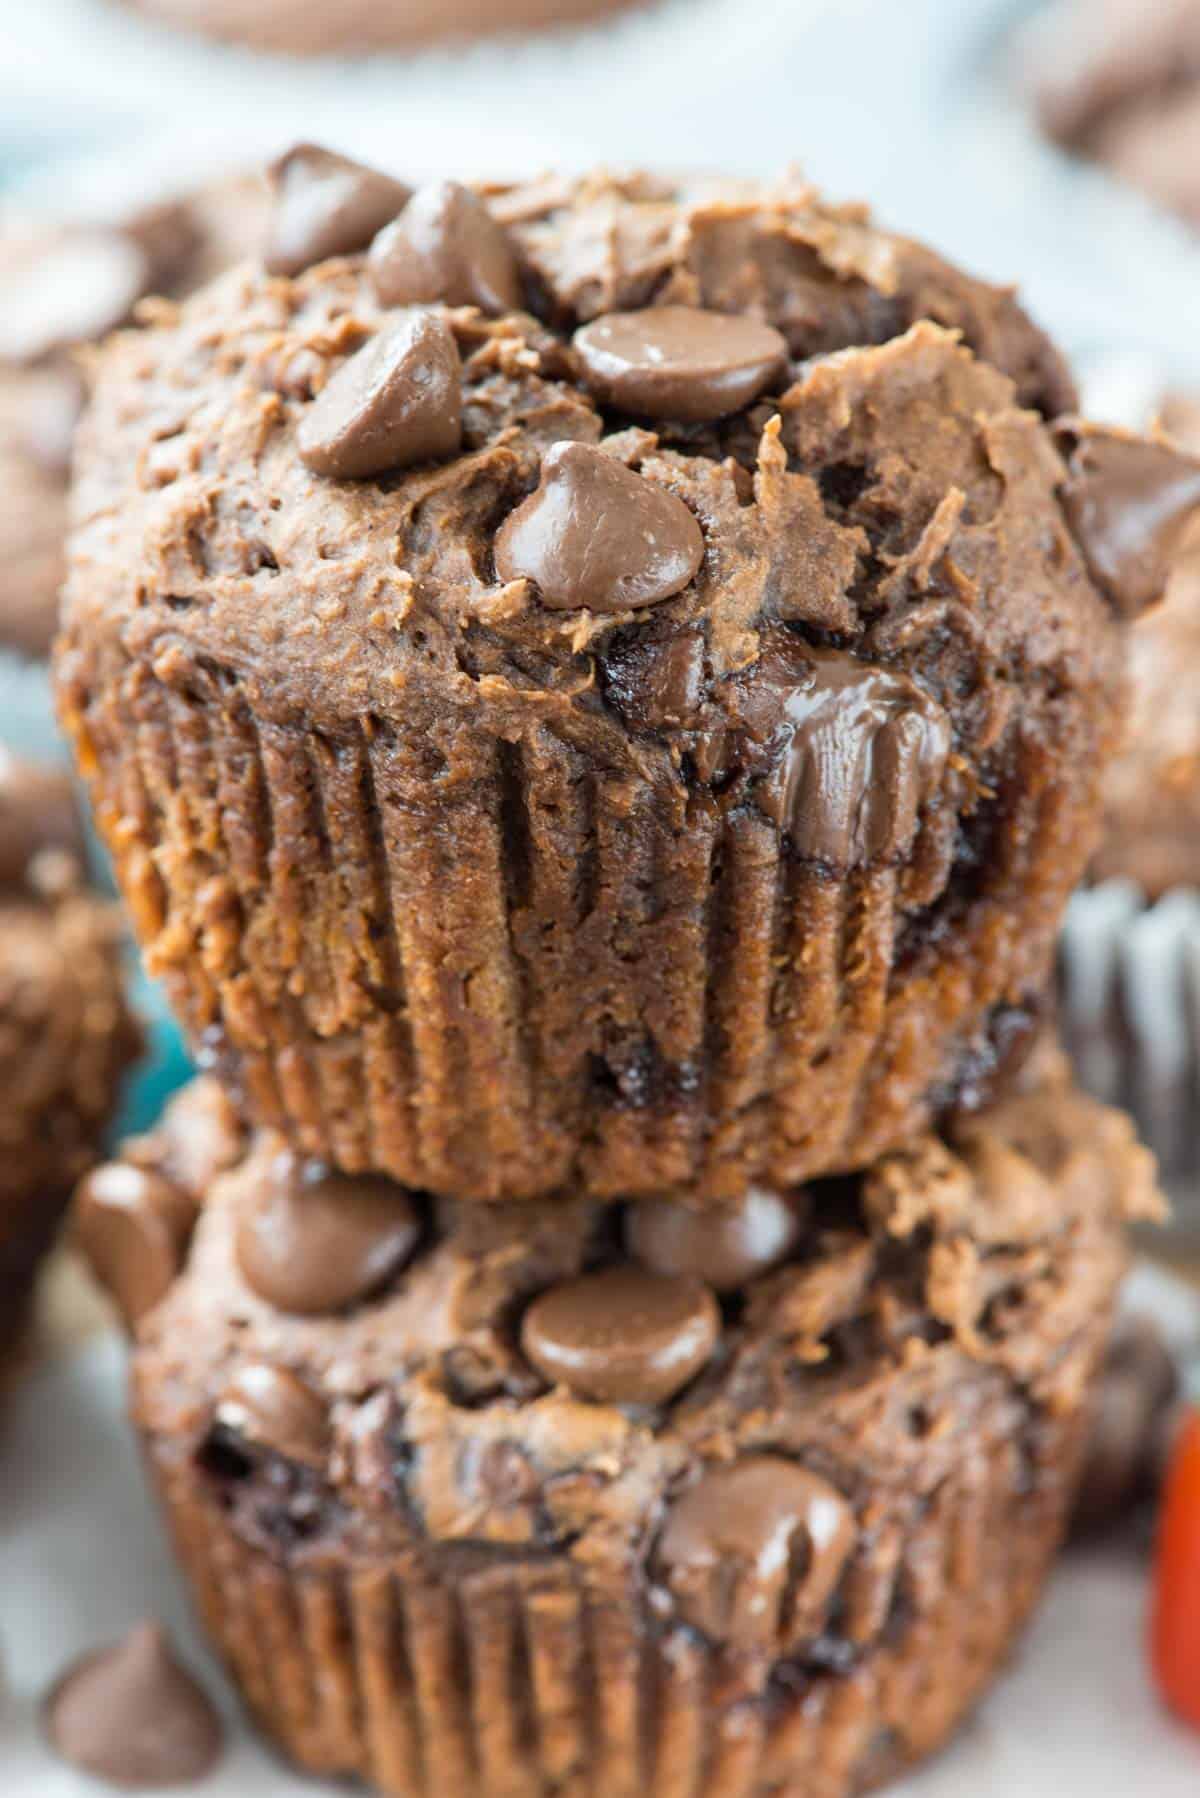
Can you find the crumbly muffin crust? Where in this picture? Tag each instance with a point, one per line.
(903, 1396)
(497, 896)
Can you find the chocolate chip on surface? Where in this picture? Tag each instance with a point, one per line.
(77, 288)
(312, 1242)
(853, 752)
(679, 362)
(133, 1226)
(1131, 503)
(397, 401)
(273, 1409)
(134, 1716)
(446, 246)
(753, 1553)
(326, 205)
(724, 1245)
(597, 534)
(622, 1336)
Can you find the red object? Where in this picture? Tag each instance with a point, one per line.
(1175, 1621)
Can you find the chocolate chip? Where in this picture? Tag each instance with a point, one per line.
(852, 752)
(623, 1336)
(724, 1245)
(397, 401)
(1130, 503)
(77, 288)
(274, 1410)
(753, 1553)
(134, 1227)
(134, 1716)
(39, 816)
(679, 362)
(446, 246)
(596, 534)
(312, 1242)
(325, 205)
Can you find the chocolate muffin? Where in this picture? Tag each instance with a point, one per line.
(1119, 81)
(66, 1036)
(298, 28)
(610, 690)
(61, 286)
(555, 1497)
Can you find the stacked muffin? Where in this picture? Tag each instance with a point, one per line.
(598, 693)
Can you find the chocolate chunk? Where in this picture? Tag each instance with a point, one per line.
(276, 1411)
(1132, 1413)
(753, 1553)
(724, 1245)
(314, 1241)
(134, 1716)
(39, 817)
(1130, 503)
(79, 287)
(397, 401)
(596, 534)
(446, 246)
(679, 362)
(852, 751)
(623, 1336)
(326, 205)
(134, 1228)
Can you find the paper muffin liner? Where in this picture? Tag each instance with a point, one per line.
(498, 969)
(1129, 995)
(438, 1670)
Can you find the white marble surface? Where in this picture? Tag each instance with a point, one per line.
(82, 1557)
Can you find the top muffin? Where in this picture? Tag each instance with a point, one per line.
(609, 688)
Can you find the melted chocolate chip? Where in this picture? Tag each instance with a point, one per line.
(596, 534)
(134, 1716)
(853, 752)
(326, 205)
(276, 1411)
(623, 1336)
(397, 401)
(446, 246)
(313, 1242)
(723, 1245)
(1130, 503)
(679, 362)
(74, 290)
(753, 1553)
(134, 1228)
(38, 816)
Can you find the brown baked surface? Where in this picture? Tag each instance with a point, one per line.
(428, 1567)
(1119, 81)
(179, 245)
(298, 28)
(498, 897)
(66, 1039)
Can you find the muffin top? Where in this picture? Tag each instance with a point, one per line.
(544, 1376)
(719, 478)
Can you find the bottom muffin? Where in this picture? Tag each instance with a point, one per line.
(66, 1035)
(566, 1499)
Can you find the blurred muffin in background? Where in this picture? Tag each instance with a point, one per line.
(63, 284)
(1119, 81)
(298, 28)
